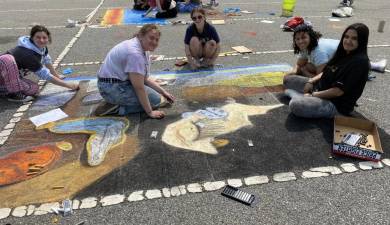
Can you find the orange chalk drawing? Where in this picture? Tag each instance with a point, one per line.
(28, 163)
(113, 17)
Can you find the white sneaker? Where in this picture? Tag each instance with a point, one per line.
(379, 66)
(342, 12)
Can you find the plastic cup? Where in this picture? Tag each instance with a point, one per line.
(288, 7)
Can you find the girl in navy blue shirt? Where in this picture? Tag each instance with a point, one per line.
(201, 41)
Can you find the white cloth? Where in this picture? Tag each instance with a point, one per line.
(343, 12)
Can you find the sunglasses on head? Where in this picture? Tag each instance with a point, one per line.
(197, 17)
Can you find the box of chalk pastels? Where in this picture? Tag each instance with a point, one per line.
(357, 138)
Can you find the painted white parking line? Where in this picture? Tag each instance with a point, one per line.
(257, 19)
(223, 55)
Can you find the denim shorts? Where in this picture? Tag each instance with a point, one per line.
(123, 94)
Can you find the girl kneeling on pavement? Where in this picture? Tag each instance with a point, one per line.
(339, 86)
(123, 78)
(201, 41)
(31, 54)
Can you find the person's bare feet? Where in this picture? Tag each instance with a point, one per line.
(207, 63)
(195, 64)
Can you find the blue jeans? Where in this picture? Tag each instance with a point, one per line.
(123, 94)
(308, 107)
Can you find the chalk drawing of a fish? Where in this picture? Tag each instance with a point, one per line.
(197, 131)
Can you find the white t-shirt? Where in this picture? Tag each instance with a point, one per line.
(126, 57)
(322, 53)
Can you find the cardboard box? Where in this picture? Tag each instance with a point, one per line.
(217, 22)
(242, 49)
(370, 149)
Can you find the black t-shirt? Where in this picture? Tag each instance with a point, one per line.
(27, 59)
(350, 75)
(209, 33)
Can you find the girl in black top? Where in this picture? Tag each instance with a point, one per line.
(340, 85)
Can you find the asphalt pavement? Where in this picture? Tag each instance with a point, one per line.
(349, 198)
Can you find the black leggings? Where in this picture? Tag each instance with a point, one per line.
(170, 13)
(141, 7)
